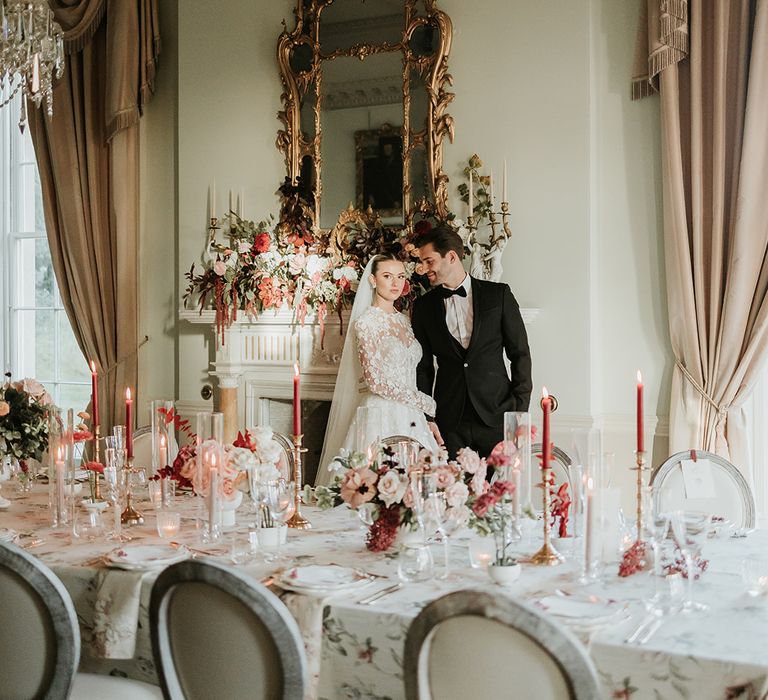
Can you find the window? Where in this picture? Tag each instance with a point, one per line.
(38, 338)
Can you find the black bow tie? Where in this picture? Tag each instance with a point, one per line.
(448, 293)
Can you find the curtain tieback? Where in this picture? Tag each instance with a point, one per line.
(125, 357)
(722, 409)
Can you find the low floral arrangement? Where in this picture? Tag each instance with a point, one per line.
(386, 485)
(23, 420)
(254, 451)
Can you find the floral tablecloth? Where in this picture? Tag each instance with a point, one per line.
(355, 651)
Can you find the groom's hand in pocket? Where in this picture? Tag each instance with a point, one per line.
(436, 432)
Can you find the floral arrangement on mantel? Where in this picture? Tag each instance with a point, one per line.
(23, 420)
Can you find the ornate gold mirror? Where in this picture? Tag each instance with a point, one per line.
(365, 107)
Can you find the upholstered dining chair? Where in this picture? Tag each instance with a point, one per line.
(514, 651)
(722, 491)
(217, 633)
(40, 639)
(392, 440)
(142, 448)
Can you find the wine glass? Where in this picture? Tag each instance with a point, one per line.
(367, 514)
(423, 486)
(115, 494)
(446, 521)
(258, 493)
(690, 529)
(281, 504)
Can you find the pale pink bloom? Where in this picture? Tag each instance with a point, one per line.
(408, 498)
(243, 247)
(468, 460)
(444, 477)
(46, 399)
(297, 263)
(478, 482)
(219, 268)
(459, 515)
(33, 387)
(5, 408)
(391, 488)
(457, 494)
(358, 486)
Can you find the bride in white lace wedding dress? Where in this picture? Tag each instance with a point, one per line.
(377, 368)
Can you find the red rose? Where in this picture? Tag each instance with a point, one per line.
(421, 227)
(261, 243)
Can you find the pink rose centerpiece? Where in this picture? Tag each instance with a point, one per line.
(387, 486)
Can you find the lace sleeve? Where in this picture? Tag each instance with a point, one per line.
(382, 383)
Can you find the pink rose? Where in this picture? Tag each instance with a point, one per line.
(408, 498)
(297, 264)
(391, 488)
(468, 460)
(219, 268)
(477, 485)
(5, 408)
(444, 477)
(358, 486)
(456, 494)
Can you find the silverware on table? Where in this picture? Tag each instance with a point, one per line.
(650, 631)
(380, 594)
(644, 623)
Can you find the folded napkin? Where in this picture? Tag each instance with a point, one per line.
(116, 613)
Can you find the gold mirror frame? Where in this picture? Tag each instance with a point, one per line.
(432, 69)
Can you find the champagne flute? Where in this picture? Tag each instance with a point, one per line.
(423, 486)
(281, 505)
(447, 523)
(115, 488)
(690, 530)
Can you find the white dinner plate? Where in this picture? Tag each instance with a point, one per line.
(145, 556)
(578, 610)
(7, 535)
(315, 578)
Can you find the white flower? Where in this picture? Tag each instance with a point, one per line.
(243, 246)
(315, 264)
(345, 271)
(456, 494)
(232, 259)
(391, 488)
(335, 466)
(459, 515)
(240, 458)
(264, 473)
(261, 434)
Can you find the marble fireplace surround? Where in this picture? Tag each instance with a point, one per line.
(254, 365)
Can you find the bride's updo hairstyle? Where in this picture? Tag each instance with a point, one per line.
(380, 258)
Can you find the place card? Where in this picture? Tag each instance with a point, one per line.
(697, 478)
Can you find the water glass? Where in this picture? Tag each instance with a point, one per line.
(414, 562)
(242, 546)
(162, 493)
(89, 525)
(168, 523)
(367, 514)
(690, 530)
(281, 504)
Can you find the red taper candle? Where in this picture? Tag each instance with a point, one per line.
(296, 399)
(128, 423)
(94, 396)
(640, 440)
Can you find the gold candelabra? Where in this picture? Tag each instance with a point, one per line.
(297, 520)
(130, 516)
(213, 226)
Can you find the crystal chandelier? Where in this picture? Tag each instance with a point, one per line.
(31, 53)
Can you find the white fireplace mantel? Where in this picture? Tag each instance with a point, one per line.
(255, 362)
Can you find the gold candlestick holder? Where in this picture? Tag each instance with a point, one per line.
(297, 520)
(547, 555)
(130, 516)
(639, 468)
(97, 459)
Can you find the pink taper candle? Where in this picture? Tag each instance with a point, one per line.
(128, 424)
(640, 441)
(296, 399)
(94, 395)
(546, 406)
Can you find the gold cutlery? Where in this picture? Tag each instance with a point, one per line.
(380, 594)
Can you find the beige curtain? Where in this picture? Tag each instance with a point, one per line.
(715, 185)
(87, 155)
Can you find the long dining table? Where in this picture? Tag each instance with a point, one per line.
(355, 650)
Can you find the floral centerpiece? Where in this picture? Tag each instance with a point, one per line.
(23, 420)
(386, 485)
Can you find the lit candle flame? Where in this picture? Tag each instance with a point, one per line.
(295, 369)
(93, 367)
(590, 483)
(59, 454)
(639, 378)
(213, 460)
(128, 394)
(162, 441)
(544, 393)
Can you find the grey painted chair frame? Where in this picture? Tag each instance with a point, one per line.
(287, 446)
(264, 605)
(564, 649)
(66, 633)
(662, 472)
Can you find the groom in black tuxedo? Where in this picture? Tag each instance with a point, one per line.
(467, 325)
